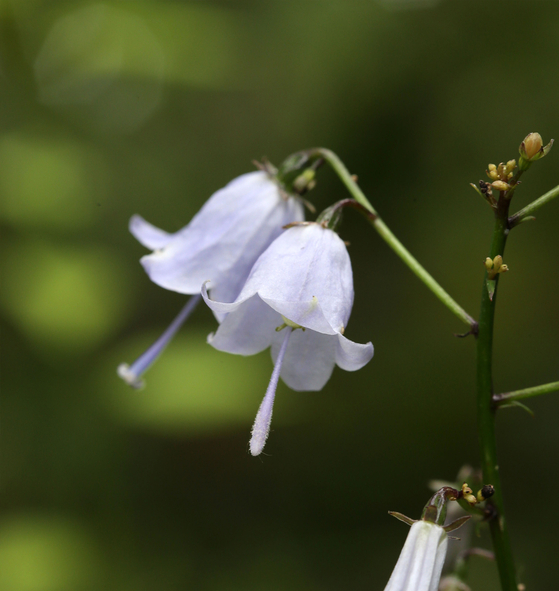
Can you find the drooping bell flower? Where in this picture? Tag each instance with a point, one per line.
(297, 300)
(421, 560)
(220, 245)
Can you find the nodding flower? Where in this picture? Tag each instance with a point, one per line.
(220, 244)
(421, 560)
(297, 300)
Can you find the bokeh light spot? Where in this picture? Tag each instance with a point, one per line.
(105, 63)
(41, 553)
(69, 300)
(46, 181)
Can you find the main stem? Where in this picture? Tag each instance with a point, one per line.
(486, 411)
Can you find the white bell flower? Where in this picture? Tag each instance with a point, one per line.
(297, 300)
(421, 560)
(220, 244)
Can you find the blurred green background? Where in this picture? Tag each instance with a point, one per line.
(115, 108)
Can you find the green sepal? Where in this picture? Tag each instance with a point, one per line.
(519, 405)
(491, 285)
(528, 218)
(407, 520)
(489, 198)
(476, 189)
(331, 216)
(457, 523)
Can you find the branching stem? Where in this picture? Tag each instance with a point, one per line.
(527, 211)
(500, 399)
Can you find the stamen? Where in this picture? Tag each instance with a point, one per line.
(261, 426)
(132, 374)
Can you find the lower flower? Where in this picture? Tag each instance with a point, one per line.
(297, 300)
(421, 560)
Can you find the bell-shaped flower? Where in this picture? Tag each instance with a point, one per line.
(220, 244)
(223, 240)
(297, 299)
(421, 560)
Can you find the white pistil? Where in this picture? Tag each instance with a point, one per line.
(132, 374)
(261, 426)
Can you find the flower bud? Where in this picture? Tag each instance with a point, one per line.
(532, 149)
(495, 266)
(500, 185)
(531, 145)
(305, 181)
(485, 492)
(467, 494)
(511, 165)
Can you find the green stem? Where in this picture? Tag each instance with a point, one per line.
(486, 411)
(500, 399)
(385, 232)
(518, 217)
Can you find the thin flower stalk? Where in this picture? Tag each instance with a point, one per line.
(409, 260)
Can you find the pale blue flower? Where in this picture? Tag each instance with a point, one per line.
(223, 240)
(421, 560)
(304, 283)
(220, 244)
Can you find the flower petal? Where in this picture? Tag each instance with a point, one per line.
(421, 560)
(309, 360)
(249, 330)
(352, 356)
(225, 238)
(148, 235)
(303, 265)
